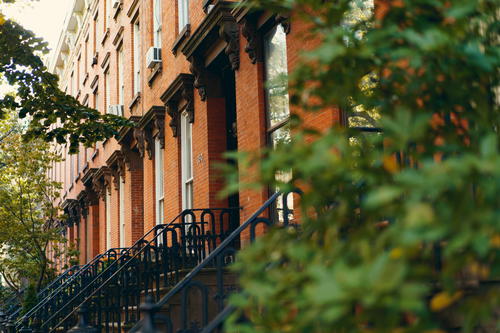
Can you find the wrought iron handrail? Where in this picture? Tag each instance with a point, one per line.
(83, 270)
(47, 290)
(160, 231)
(127, 250)
(215, 255)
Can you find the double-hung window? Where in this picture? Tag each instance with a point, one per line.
(186, 161)
(182, 13)
(157, 22)
(107, 87)
(137, 58)
(108, 218)
(121, 82)
(277, 102)
(159, 201)
(121, 192)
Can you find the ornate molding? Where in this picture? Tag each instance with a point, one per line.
(197, 68)
(230, 32)
(284, 20)
(180, 92)
(101, 182)
(219, 25)
(253, 47)
(71, 208)
(132, 159)
(140, 139)
(116, 164)
(151, 126)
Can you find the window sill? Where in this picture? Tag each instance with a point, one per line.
(183, 35)
(85, 79)
(94, 155)
(117, 10)
(105, 37)
(154, 74)
(134, 102)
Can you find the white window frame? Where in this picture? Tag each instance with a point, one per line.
(121, 81)
(107, 90)
(182, 13)
(187, 161)
(121, 190)
(159, 182)
(157, 23)
(137, 57)
(108, 219)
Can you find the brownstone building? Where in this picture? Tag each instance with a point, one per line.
(192, 75)
(198, 78)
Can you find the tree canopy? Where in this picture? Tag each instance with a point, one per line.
(29, 216)
(402, 229)
(53, 115)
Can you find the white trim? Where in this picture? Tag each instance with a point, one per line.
(159, 191)
(187, 161)
(108, 219)
(121, 185)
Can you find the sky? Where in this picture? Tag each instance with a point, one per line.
(44, 17)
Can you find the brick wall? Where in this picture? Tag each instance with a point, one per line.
(209, 128)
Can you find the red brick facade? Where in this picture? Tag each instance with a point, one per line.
(132, 155)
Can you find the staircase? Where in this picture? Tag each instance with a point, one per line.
(10, 313)
(177, 271)
(198, 302)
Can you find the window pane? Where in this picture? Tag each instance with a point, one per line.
(276, 71)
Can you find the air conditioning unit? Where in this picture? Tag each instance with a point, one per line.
(153, 56)
(116, 109)
(116, 3)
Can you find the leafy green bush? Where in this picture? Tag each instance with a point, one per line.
(402, 231)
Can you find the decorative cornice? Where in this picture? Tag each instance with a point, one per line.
(71, 208)
(180, 89)
(284, 20)
(105, 61)
(116, 163)
(253, 47)
(88, 175)
(151, 125)
(218, 24)
(118, 36)
(197, 68)
(131, 9)
(101, 181)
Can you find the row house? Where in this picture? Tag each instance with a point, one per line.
(198, 78)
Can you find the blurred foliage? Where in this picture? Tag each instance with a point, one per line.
(402, 231)
(53, 115)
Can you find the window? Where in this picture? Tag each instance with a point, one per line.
(159, 200)
(96, 99)
(277, 101)
(108, 14)
(157, 22)
(137, 58)
(182, 13)
(108, 219)
(120, 82)
(107, 87)
(122, 211)
(186, 161)
(87, 60)
(276, 85)
(97, 30)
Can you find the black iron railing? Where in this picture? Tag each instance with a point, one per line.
(153, 265)
(51, 287)
(198, 302)
(58, 294)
